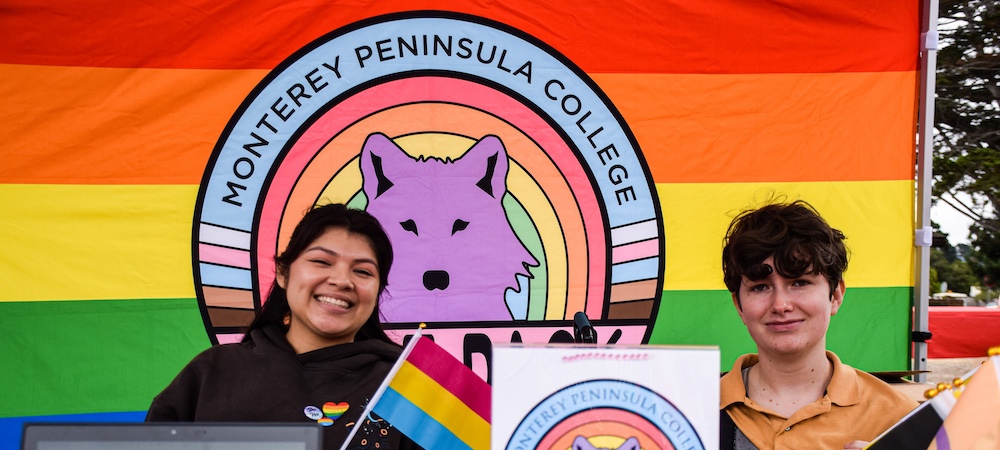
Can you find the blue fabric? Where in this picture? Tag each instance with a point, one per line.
(416, 424)
(11, 428)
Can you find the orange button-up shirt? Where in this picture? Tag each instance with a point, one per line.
(857, 406)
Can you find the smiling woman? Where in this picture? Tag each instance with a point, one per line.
(331, 288)
(345, 245)
(316, 351)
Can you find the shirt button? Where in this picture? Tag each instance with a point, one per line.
(788, 429)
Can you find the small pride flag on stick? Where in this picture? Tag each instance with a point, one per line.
(433, 399)
(973, 422)
(957, 416)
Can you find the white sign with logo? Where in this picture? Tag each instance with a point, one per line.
(605, 397)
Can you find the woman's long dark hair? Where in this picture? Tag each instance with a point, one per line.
(316, 222)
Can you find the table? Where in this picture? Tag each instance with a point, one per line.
(962, 331)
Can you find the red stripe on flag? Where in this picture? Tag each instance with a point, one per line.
(637, 36)
(447, 371)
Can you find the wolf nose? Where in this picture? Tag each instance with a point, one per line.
(435, 279)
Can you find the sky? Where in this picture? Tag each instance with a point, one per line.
(952, 222)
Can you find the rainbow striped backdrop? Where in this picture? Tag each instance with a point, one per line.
(110, 112)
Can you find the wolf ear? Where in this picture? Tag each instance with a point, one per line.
(488, 153)
(631, 444)
(581, 443)
(376, 149)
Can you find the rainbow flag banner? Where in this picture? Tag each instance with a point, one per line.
(529, 159)
(434, 399)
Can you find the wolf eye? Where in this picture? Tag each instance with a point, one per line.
(458, 226)
(410, 226)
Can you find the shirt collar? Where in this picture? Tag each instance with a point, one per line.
(732, 389)
(843, 389)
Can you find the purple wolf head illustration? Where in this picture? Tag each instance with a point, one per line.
(581, 443)
(456, 253)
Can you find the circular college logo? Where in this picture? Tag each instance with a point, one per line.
(605, 414)
(512, 189)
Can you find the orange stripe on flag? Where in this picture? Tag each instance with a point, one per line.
(76, 125)
(733, 127)
(749, 128)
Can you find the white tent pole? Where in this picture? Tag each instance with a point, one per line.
(925, 157)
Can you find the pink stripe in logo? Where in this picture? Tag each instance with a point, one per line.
(224, 256)
(636, 251)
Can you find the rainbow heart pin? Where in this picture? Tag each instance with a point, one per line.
(334, 410)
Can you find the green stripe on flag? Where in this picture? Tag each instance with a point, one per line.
(870, 332)
(66, 357)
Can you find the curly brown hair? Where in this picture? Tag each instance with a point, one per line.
(798, 238)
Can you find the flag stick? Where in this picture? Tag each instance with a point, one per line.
(384, 385)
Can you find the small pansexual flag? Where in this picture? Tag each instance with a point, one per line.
(434, 399)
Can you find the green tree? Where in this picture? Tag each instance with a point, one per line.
(967, 124)
(956, 272)
(949, 264)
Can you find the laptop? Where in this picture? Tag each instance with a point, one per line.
(171, 436)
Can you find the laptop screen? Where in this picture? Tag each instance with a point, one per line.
(171, 436)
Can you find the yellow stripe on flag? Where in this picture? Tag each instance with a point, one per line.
(70, 242)
(414, 385)
(118, 242)
(876, 217)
